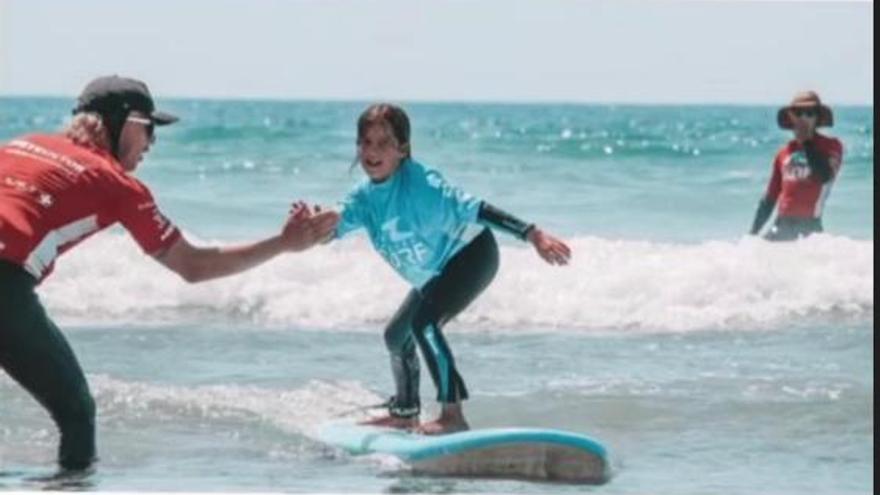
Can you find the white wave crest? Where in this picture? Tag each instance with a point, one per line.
(301, 410)
(609, 285)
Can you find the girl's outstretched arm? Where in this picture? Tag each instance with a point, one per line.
(551, 249)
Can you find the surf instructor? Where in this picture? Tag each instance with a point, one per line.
(803, 171)
(58, 189)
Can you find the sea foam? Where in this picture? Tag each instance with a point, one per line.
(609, 285)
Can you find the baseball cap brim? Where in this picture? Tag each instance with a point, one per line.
(163, 118)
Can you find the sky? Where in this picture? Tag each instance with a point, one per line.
(587, 51)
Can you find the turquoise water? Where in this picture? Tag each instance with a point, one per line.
(706, 361)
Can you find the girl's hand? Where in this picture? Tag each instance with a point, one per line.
(548, 247)
(304, 230)
(317, 211)
(308, 225)
(300, 210)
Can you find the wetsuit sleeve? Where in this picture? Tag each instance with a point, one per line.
(765, 209)
(819, 162)
(452, 206)
(501, 220)
(350, 217)
(768, 202)
(140, 215)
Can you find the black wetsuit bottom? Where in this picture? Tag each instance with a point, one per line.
(421, 318)
(36, 355)
(792, 228)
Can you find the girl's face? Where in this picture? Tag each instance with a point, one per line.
(379, 152)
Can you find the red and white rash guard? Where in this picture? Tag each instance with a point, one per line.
(801, 194)
(55, 193)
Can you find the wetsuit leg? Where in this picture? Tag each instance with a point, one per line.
(36, 355)
(463, 278)
(404, 359)
(789, 228)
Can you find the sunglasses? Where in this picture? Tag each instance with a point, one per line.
(804, 112)
(148, 124)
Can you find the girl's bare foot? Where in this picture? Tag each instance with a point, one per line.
(451, 420)
(392, 422)
(441, 427)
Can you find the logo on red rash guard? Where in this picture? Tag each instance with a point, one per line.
(796, 167)
(800, 192)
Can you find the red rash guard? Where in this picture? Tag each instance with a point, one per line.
(55, 193)
(800, 193)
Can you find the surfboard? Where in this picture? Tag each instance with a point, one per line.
(522, 453)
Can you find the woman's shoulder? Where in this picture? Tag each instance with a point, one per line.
(358, 191)
(421, 171)
(829, 141)
(413, 166)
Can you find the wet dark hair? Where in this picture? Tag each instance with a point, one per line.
(388, 115)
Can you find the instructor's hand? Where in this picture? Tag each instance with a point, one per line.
(553, 250)
(306, 227)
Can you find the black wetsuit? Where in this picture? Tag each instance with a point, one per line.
(792, 228)
(36, 355)
(421, 318)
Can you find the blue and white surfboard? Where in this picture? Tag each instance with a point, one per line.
(528, 453)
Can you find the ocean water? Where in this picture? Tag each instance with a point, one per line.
(706, 361)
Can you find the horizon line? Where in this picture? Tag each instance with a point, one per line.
(453, 101)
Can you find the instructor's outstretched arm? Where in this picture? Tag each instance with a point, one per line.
(197, 264)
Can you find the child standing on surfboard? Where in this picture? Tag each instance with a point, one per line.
(436, 237)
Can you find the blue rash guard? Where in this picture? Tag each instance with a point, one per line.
(415, 219)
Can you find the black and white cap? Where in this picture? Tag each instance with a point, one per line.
(115, 94)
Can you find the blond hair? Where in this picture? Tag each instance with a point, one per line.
(88, 129)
